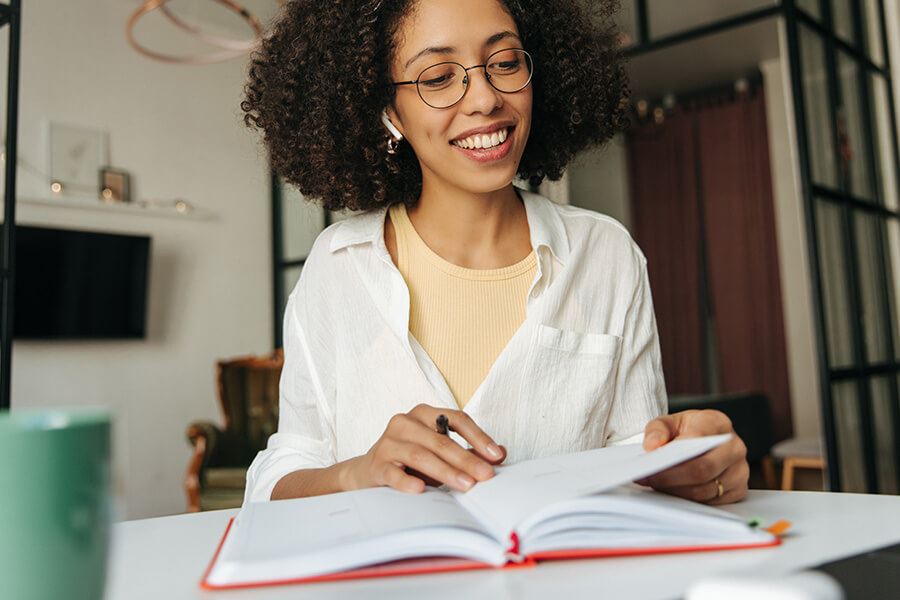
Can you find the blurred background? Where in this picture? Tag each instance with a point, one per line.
(759, 176)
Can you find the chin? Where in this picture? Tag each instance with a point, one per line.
(487, 184)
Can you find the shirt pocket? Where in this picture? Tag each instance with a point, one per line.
(566, 390)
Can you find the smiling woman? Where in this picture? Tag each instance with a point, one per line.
(526, 325)
(321, 79)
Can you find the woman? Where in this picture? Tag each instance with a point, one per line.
(527, 324)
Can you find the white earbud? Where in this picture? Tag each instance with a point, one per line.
(387, 123)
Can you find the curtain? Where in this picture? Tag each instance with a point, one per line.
(703, 207)
(742, 256)
(661, 163)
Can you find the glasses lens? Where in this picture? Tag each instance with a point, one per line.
(442, 85)
(510, 70)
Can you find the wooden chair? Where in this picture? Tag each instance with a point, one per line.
(798, 453)
(248, 398)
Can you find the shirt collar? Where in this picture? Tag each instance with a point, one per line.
(544, 222)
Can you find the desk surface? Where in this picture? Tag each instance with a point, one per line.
(165, 557)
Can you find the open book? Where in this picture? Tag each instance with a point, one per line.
(567, 506)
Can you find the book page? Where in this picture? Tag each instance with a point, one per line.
(306, 537)
(517, 491)
(632, 516)
(313, 524)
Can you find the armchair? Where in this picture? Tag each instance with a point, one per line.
(248, 398)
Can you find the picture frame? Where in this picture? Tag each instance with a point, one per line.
(75, 155)
(114, 185)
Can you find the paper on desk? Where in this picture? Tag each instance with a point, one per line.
(517, 491)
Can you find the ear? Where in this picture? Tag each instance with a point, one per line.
(387, 120)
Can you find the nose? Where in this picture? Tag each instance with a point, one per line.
(480, 96)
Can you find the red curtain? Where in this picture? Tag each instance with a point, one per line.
(719, 151)
(742, 255)
(664, 214)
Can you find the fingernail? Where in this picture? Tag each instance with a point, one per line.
(655, 439)
(465, 481)
(485, 471)
(494, 450)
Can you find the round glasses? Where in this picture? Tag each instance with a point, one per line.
(444, 84)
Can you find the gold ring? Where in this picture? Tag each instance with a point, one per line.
(720, 489)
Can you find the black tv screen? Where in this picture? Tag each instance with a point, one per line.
(79, 284)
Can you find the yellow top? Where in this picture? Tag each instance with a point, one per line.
(463, 318)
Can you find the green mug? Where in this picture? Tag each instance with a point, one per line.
(55, 503)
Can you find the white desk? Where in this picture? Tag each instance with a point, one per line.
(164, 558)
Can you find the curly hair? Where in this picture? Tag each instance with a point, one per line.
(319, 81)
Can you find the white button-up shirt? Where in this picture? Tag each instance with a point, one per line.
(582, 371)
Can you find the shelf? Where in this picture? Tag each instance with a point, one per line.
(133, 208)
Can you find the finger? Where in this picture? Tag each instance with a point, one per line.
(426, 462)
(428, 480)
(703, 492)
(394, 476)
(729, 497)
(444, 446)
(462, 424)
(453, 454)
(702, 468)
(660, 431)
(695, 423)
(497, 461)
(733, 481)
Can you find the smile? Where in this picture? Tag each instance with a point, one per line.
(486, 147)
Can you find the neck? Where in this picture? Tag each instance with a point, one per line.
(474, 230)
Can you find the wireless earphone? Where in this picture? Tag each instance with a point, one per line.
(390, 126)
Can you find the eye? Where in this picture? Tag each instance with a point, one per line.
(437, 82)
(506, 66)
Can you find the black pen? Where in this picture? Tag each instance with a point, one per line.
(443, 425)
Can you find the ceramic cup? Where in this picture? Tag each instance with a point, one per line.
(54, 503)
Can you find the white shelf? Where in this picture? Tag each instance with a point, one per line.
(134, 208)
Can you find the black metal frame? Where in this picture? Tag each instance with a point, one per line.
(862, 373)
(10, 14)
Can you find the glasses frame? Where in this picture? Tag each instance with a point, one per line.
(466, 70)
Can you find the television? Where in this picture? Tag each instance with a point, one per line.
(79, 284)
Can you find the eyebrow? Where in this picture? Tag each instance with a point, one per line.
(450, 49)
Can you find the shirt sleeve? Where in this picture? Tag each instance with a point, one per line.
(305, 437)
(640, 386)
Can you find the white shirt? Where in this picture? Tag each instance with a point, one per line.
(582, 371)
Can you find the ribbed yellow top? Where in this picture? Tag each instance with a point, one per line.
(463, 318)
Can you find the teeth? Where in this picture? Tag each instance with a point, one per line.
(483, 141)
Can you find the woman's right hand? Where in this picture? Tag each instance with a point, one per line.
(411, 443)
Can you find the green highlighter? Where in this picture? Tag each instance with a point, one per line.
(55, 503)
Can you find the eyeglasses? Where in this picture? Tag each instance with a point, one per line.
(444, 84)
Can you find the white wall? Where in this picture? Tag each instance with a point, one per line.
(177, 130)
(598, 180)
(793, 259)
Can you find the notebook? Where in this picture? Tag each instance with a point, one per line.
(567, 506)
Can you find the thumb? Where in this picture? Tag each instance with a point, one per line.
(660, 431)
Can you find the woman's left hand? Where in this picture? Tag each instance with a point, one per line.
(723, 468)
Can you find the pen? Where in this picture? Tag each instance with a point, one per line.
(443, 425)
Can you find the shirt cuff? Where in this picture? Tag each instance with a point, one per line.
(268, 468)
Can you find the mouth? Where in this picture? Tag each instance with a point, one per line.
(486, 147)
